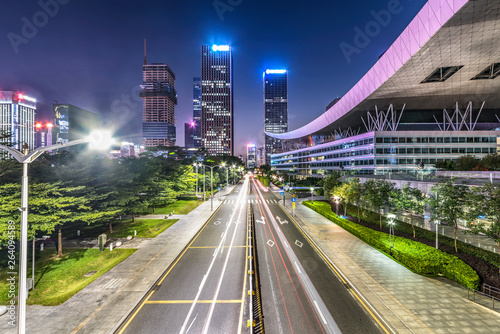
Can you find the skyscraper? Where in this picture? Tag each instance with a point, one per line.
(217, 99)
(189, 129)
(159, 100)
(72, 123)
(275, 109)
(17, 118)
(197, 111)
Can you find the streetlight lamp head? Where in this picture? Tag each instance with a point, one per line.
(100, 139)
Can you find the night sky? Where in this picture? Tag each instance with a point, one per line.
(90, 53)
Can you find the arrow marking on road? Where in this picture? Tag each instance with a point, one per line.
(298, 243)
(281, 221)
(262, 220)
(270, 243)
(217, 223)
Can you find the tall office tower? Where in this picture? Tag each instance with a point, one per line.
(189, 129)
(275, 109)
(197, 111)
(17, 118)
(72, 123)
(251, 156)
(217, 100)
(43, 134)
(159, 100)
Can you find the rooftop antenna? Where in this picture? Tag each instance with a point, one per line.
(145, 63)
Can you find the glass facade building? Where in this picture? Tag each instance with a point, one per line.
(17, 118)
(159, 100)
(217, 100)
(275, 109)
(383, 152)
(197, 112)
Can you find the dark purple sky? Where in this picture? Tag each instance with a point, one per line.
(90, 53)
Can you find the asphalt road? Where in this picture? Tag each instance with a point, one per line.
(203, 291)
(300, 292)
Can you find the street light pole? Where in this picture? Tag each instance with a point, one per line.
(337, 203)
(312, 190)
(196, 165)
(26, 158)
(204, 181)
(212, 188)
(437, 232)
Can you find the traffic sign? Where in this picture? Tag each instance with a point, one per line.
(293, 195)
(294, 200)
(218, 189)
(282, 193)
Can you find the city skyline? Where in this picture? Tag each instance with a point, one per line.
(79, 57)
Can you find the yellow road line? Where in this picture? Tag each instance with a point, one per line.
(133, 316)
(336, 272)
(185, 250)
(172, 266)
(222, 301)
(212, 247)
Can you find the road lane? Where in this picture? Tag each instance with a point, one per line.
(203, 290)
(335, 298)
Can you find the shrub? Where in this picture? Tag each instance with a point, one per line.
(418, 257)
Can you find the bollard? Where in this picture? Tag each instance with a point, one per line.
(135, 233)
(111, 247)
(41, 246)
(78, 233)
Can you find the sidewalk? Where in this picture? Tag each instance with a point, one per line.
(408, 302)
(102, 305)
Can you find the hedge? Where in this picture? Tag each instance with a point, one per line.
(372, 217)
(418, 257)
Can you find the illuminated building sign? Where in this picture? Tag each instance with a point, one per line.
(275, 71)
(220, 47)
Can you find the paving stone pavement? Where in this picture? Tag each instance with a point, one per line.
(102, 305)
(408, 302)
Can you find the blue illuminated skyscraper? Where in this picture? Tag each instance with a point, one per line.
(275, 109)
(217, 100)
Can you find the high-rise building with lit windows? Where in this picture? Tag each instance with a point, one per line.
(159, 100)
(197, 112)
(217, 100)
(275, 109)
(17, 118)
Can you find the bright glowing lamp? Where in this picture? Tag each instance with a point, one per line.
(100, 140)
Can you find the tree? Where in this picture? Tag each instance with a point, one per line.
(491, 162)
(342, 192)
(485, 201)
(450, 204)
(51, 206)
(378, 194)
(466, 163)
(331, 182)
(353, 193)
(409, 200)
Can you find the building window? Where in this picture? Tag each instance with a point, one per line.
(442, 74)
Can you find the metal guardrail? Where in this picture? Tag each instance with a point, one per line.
(255, 321)
(487, 297)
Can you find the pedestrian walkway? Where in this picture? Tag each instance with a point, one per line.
(104, 304)
(408, 302)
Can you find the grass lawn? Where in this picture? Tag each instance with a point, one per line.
(146, 228)
(181, 207)
(57, 279)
